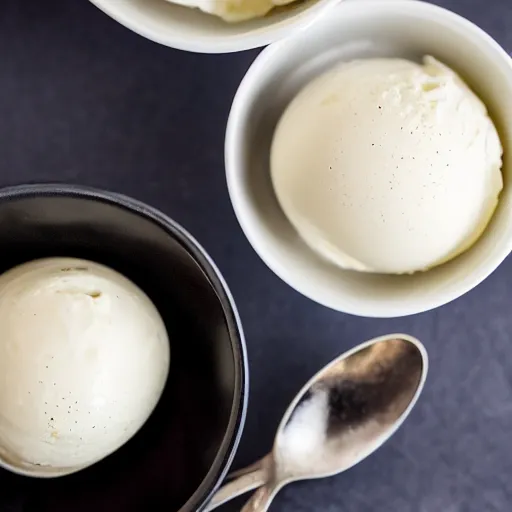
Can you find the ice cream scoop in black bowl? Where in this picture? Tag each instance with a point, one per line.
(182, 453)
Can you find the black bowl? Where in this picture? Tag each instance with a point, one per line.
(182, 453)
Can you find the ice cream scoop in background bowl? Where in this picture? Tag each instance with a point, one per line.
(183, 25)
(184, 450)
(363, 30)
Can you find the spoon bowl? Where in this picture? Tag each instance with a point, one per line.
(342, 415)
(362, 397)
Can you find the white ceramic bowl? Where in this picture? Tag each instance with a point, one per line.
(367, 28)
(190, 29)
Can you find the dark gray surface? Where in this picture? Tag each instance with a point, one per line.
(84, 100)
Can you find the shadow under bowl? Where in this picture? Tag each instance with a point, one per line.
(178, 458)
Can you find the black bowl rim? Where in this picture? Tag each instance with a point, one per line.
(229, 445)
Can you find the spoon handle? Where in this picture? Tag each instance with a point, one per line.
(262, 463)
(261, 499)
(241, 485)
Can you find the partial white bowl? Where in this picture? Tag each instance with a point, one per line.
(366, 28)
(192, 30)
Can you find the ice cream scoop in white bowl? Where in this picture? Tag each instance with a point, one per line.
(84, 358)
(177, 25)
(380, 163)
(364, 29)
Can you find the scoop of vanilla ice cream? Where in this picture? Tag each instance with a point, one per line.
(234, 10)
(386, 165)
(84, 358)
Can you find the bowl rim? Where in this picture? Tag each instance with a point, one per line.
(233, 432)
(252, 39)
(237, 120)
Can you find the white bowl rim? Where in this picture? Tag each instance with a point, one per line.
(236, 118)
(252, 39)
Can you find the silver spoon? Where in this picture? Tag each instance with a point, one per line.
(342, 415)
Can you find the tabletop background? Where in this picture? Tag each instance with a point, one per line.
(86, 101)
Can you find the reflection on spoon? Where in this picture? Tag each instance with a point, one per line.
(342, 415)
